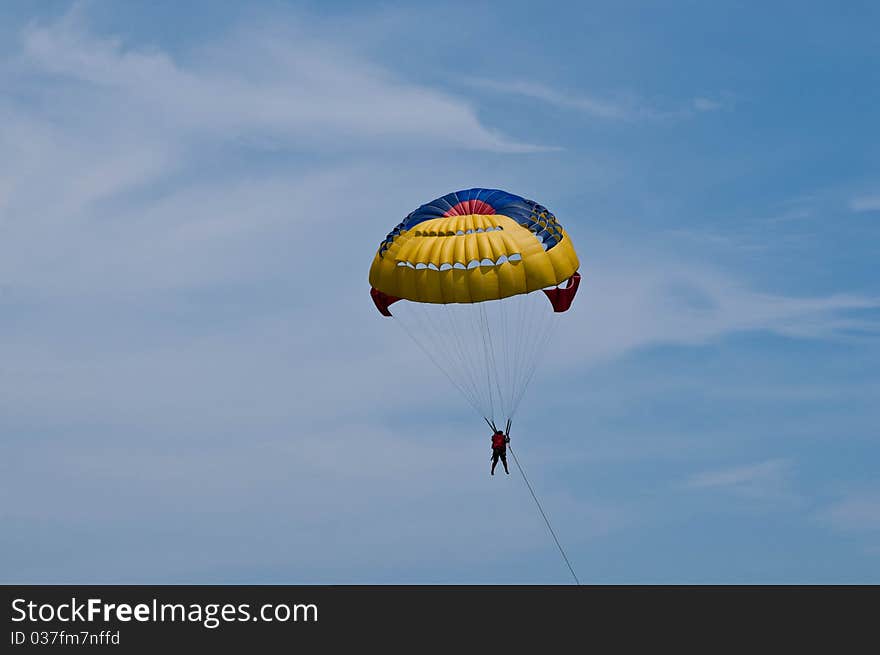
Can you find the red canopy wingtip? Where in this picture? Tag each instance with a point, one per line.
(382, 301)
(561, 298)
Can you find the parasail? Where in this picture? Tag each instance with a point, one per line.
(483, 275)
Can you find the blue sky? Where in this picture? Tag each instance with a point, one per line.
(196, 387)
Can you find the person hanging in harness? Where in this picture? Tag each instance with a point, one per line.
(499, 450)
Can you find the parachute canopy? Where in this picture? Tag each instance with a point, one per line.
(468, 263)
(471, 246)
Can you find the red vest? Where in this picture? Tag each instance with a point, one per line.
(497, 441)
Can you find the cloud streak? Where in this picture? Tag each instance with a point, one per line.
(857, 512)
(631, 302)
(285, 87)
(627, 108)
(865, 203)
(765, 482)
(598, 107)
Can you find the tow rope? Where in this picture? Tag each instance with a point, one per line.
(538, 503)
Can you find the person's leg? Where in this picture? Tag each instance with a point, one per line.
(494, 461)
(504, 461)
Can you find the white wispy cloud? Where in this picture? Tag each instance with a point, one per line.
(287, 86)
(868, 203)
(856, 512)
(625, 107)
(769, 481)
(707, 104)
(633, 300)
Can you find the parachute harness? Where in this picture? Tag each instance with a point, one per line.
(537, 502)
